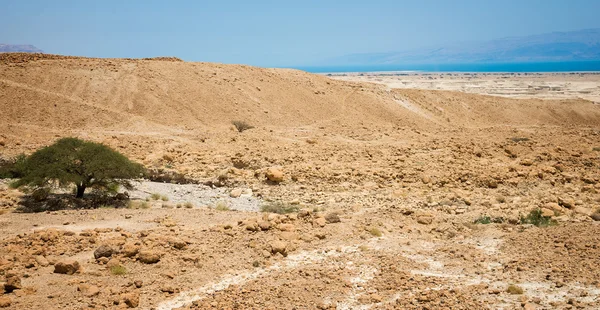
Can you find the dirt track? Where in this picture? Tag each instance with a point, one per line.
(407, 172)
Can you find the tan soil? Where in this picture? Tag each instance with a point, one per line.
(406, 171)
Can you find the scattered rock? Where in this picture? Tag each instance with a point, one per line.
(88, 290)
(274, 174)
(41, 261)
(5, 301)
(236, 193)
(130, 249)
(103, 251)
(279, 247)
(148, 257)
(425, 219)
(13, 282)
(547, 212)
(332, 218)
(320, 221)
(132, 300)
(67, 267)
(595, 216)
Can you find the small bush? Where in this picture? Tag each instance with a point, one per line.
(9, 169)
(488, 220)
(519, 139)
(138, 205)
(164, 198)
(241, 126)
(375, 232)
(596, 149)
(535, 218)
(155, 196)
(255, 264)
(514, 290)
(118, 270)
(222, 206)
(188, 205)
(279, 208)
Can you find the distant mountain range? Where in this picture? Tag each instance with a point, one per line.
(580, 45)
(8, 48)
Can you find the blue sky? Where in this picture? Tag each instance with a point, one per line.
(276, 33)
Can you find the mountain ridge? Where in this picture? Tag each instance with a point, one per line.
(581, 45)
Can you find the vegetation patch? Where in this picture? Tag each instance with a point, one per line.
(241, 126)
(519, 139)
(279, 208)
(536, 218)
(514, 290)
(118, 270)
(222, 206)
(375, 231)
(488, 220)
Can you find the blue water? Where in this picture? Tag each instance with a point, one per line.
(570, 66)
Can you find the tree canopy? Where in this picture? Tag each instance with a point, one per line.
(82, 163)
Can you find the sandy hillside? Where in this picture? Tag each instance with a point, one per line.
(399, 198)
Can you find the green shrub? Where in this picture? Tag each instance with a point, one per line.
(488, 220)
(155, 196)
(535, 218)
(241, 126)
(10, 169)
(71, 161)
(118, 270)
(279, 208)
(222, 206)
(514, 290)
(519, 139)
(188, 205)
(375, 232)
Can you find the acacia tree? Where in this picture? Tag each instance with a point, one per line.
(82, 163)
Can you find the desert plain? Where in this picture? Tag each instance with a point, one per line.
(421, 191)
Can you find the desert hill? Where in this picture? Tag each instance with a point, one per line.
(167, 94)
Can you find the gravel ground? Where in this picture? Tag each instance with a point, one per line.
(198, 195)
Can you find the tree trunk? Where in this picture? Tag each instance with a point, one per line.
(80, 190)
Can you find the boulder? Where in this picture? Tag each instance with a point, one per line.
(67, 267)
(425, 219)
(148, 257)
(130, 249)
(547, 212)
(274, 174)
(103, 251)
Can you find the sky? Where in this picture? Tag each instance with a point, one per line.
(276, 33)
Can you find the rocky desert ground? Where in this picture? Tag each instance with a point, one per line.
(395, 198)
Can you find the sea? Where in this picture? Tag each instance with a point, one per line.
(567, 66)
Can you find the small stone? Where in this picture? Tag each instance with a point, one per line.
(41, 261)
(264, 225)
(332, 218)
(13, 282)
(425, 219)
(67, 267)
(426, 179)
(595, 216)
(138, 283)
(5, 302)
(132, 300)
(320, 221)
(103, 251)
(274, 174)
(529, 306)
(286, 227)
(547, 212)
(279, 247)
(148, 257)
(236, 193)
(168, 289)
(88, 290)
(130, 249)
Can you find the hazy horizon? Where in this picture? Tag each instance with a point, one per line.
(272, 33)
